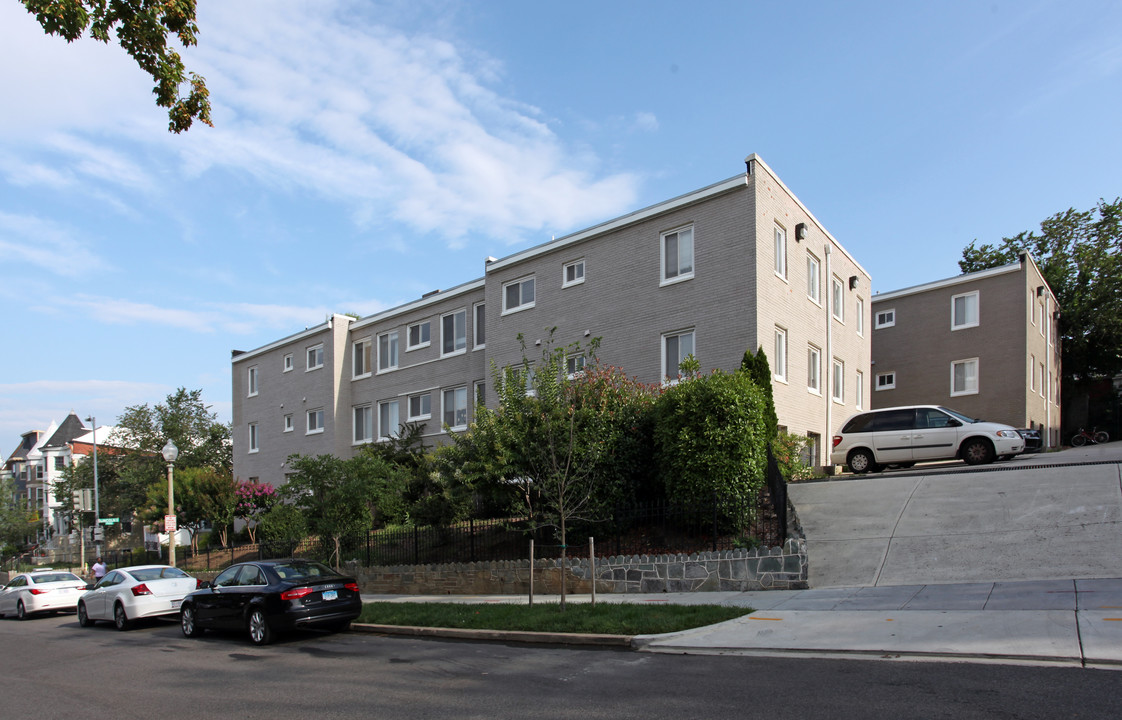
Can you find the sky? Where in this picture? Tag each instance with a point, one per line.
(364, 153)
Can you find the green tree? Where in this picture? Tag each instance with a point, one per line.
(199, 491)
(142, 28)
(15, 520)
(218, 498)
(1080, 256)
(759, 369)
(283, 523)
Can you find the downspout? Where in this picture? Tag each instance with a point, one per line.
(828, 361)
(1049, 343)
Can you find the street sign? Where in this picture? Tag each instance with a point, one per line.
(109, 521)
(169, 524)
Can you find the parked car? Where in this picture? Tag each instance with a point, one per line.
(869, 441)
(130, 593)
(43, 590)
(1033, 441)
(272, 595)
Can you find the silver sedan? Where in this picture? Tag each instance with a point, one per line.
(130, 593)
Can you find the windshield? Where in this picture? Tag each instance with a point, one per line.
(55, 577)
(960, 416)
(302, 570)
(155, 573)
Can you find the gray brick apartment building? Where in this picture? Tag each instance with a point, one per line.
(733, 266)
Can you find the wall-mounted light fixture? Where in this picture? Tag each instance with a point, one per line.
(852, 282)
(1040, 291)
(800, 232)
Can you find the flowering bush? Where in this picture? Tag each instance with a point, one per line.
(253, 501)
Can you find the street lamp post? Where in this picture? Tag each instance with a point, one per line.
(170, 453)
(97, 500)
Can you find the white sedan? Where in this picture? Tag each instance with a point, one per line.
(41, 591)
(131, 593)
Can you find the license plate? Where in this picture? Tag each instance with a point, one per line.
(330, 594)
(176, 603)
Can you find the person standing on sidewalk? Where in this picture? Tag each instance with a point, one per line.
(99, 570)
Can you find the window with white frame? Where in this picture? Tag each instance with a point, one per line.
(860, 321)
(885, 318)
(479, 324)
(251, 381)
(572, 273)
(574, 364)
(518, 295)
(964, 377)
(859, 389)
(420, 407)
(779, 355)
(286, 363)
(813, 279)
(363, 424)
(837, 387)
(780, 250)
(1032, 307)
(964, 310)
(387, 351)
(315, 421)
(453, 332)
(480, 393)
(288, 423)
(1043, 318)
(814, 370)
(837, 299)
(1043, 384)
(389, 419)
(315, 357)
(677, 255)
(418, 335)
(253, 438)
(455, 408)
(1032, 372)
(886, 381)
(676, 347)
(363, 363)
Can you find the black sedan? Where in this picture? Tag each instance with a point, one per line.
(267, 596)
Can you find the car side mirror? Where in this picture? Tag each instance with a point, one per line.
(955, 423)
(90, 586)
(205, 585)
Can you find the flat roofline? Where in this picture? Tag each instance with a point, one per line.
(948, 282)
(309, 332)
(428, 299)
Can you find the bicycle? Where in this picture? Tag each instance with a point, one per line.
(1095, 437)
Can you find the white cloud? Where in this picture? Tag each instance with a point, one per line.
(46, 245)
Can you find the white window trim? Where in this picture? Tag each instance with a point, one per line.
(475, 344)
(778, 236)
(565, 282)
(977, 377)
(354, 350)
(681, 276)
(779, 371)
(837, 300)
(409, 407)
(877, 324)
(287, 364)
(667, 378)
(289, 425)
(475, 399)
(308, 351)
(816, 298)
(254, 438)
(837, 378)
(383, 436)
(423, 344)
(887, 386)
(378, 352)
(814, 359)
(443, 395)
(977, 311)
(308, 418)
(462, 350)
(253, 381)
(577, 357)
(522, 305)
(1032, 373)
(859, 390)
(859, 308)
(370, 425)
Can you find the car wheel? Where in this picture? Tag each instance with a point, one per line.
(83, 616)
(120, 619)
(861, 461)
(259, 631)
(977, 452)
(21, 611)
(188, 623)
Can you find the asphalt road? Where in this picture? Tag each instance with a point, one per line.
(51, 668)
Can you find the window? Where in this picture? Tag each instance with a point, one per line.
(838, 384)
(479, 313)
(387, 351)
(287, 363)
(60, 462)
(455, 408)
(837, 299)
(675, 348)
(886, 381)
(253, 437)
(315, 421)
(813, 281)
(1032, 372)
(574, 364)
(288, 424)
(480, 394)
(677, 255)
(518, 295)
(1043, 383)
(814, 370)
(420, 407)
(389, 420)
(860, 317)
(780, 355)
(885, 318)
(251, 381)
(315, 357)
(418, 335)
(964, 311)
(781, 252)
(363, 360)
(964, 377)
(364, 424)
(859, 389)
(573, 273)
(453, 332)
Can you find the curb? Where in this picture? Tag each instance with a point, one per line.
(514, 636)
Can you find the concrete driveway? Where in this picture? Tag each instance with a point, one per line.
(1036, 517)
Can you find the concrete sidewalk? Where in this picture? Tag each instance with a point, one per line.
(1060, 622)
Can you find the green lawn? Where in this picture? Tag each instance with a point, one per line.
(603, 619)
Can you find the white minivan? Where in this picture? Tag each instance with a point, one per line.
(903, 436)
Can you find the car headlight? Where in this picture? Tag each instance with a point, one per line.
(1011, 434)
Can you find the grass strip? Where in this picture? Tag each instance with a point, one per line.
(601, 619)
